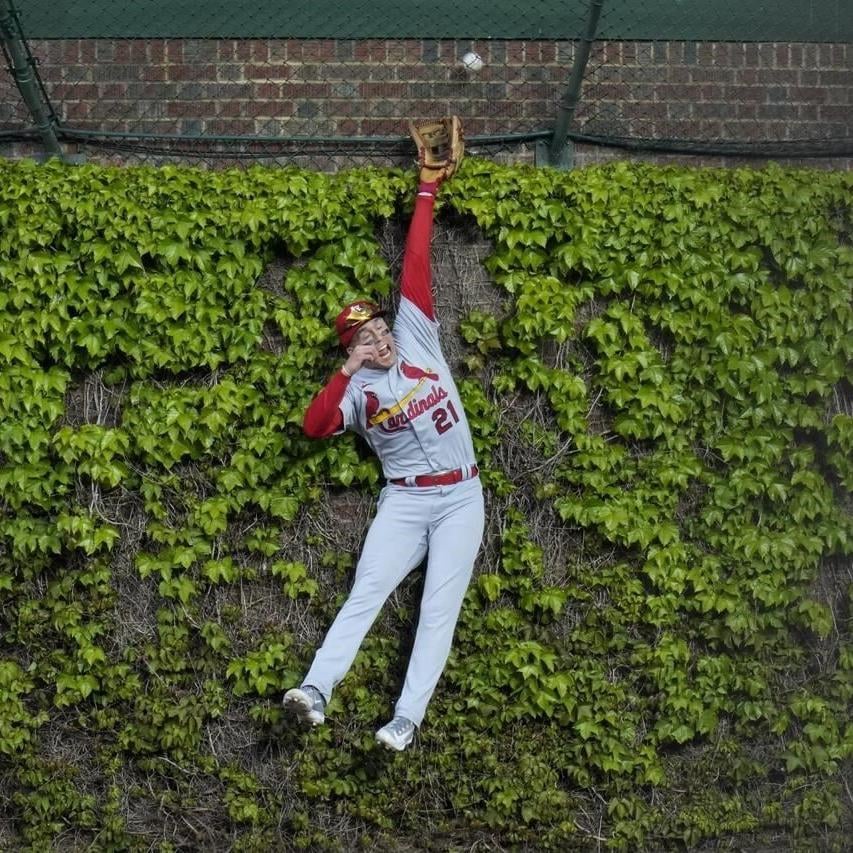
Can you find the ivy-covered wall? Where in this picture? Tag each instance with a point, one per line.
(656, 648)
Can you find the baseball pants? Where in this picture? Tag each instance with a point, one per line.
(445, 522)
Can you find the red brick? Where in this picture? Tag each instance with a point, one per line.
(839, 95)
(264, 72)
(154, 72)
(71, 51)
(235, 127)
(737, 56)
(766, 55)
(748, 94)
(628, 53)
(414, 73)
(77, 110)
(174, 51)
(105, 51)
(74, 73)
(408, 51)
(220, 126)
(711, 109)
(380, 127)
(176, 109)
(712, 75)
(643, 53)
(192, 72)
(661, 52)
(447, 52)
(343, 107)
(383, 90)
(809, 94)
(420, 109)
(550, 53)
(111, 90)
(369, 50)
(777, 76)
(130, 51)
(606, 91)
(278, 50)
(262, 108)
(721, 53)
(835, 112)
(797, 55)
(776, 111)
(232, 109)
(828, 77)
(298, 89)
(47, 52)
(266, 90)
(314, 49)
(651, 109)
(678, 74)
(515, 53)
(783, 56)
(711, 91)
(611, 52)
(156, 51)
(705, 53)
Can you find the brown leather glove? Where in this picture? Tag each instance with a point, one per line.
(441, 146)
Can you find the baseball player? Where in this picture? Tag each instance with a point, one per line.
(396, 391)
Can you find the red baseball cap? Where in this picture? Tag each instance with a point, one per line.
(353, 317)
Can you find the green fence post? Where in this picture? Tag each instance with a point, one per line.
(559, 152)
(21, 65)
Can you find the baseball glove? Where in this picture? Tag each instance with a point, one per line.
(440, 147)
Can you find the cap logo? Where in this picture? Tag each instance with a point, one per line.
(359, 313)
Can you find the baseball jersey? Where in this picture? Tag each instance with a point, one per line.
(411, 414)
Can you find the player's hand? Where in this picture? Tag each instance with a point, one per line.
(360, 355)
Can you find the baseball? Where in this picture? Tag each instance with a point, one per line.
(472, 61)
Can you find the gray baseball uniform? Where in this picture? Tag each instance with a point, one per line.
(412, 417)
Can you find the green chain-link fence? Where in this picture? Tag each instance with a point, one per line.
(329, 85)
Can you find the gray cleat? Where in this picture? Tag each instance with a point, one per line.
(397, 734)
(307, 703)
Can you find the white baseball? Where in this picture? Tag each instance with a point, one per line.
(472, 61)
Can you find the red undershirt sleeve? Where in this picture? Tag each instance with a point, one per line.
(416, 278)
(323, 416)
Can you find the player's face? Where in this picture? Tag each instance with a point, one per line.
(376, 333)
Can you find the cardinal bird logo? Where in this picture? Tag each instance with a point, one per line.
(412, 372)
(371, 407)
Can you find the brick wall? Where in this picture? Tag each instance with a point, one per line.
(319, 88)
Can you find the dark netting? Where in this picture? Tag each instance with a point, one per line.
(760, 98)
(327, 86)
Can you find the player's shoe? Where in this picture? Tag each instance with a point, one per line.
(307, 703)
(397, 734)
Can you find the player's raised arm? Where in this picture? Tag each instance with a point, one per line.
(440, 148)
(416, 278)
